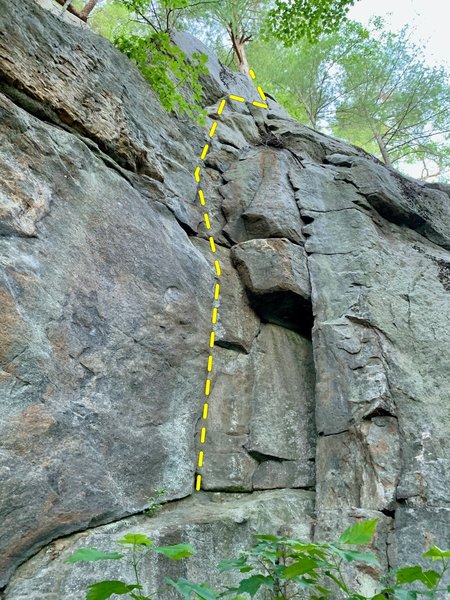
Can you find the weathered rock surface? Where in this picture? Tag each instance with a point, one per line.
(225, 522)
(331, 362)
(98, 332)
(275, 274)
(258, 197)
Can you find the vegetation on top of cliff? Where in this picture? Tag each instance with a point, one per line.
(141, 29)
(280, 567)
(368, 86)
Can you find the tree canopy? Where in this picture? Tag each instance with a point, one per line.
(393, 103)
(287, 21)
(369, 86)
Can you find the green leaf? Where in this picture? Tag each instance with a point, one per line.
(291, 21)
(136, 539)
(175, 552)
(236, 563)
(268, 538)
(305, 565)
(436, 553)
(91, 554)
(359, 533)
(105, 589)
(186, 588)
(367, 558)
(322, 590)
(416, 573)
(252, 584)
(337, 580)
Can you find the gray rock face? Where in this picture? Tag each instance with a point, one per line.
(329, 383)
(275, 274)
(96, 341)
(227, 522)
(258, 198)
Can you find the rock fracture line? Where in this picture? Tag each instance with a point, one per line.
(216, 292)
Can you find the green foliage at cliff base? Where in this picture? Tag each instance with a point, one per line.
(279, 568)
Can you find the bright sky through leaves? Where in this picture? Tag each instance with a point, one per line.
(429, 18)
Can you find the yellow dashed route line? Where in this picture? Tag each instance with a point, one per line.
(201, 197)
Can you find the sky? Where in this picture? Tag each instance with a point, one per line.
(430, 22)
(429, 18)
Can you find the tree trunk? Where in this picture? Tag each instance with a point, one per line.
(242, 58)
(83, 13)
(238, 43)
(383, 150)
(87, 9)
(68, 7)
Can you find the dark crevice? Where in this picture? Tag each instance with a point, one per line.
(307, 219)
(261, 457)
(30, 105)
(270, 139)
(388, 512)
(184, 226)
(395, 214)
(228, 238)
(322, 434)
(380, 411)
(307, 488)
(331, 210)
(230, 345)
(284, 308)
(297, 158)
(330, 253)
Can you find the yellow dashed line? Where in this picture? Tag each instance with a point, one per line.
(236, 98)
(197, 172)
(213, 129)
(205, 150)
(260, 104)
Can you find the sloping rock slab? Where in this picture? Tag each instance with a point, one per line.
(218, 525)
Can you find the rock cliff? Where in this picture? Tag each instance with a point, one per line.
(330, 394)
